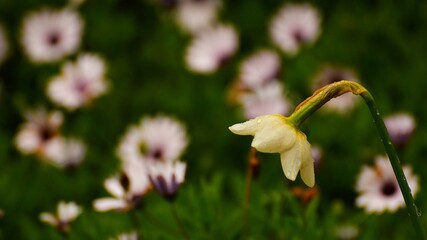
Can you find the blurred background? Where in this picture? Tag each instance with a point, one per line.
(145, 48)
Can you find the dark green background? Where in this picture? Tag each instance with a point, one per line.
(384, 42)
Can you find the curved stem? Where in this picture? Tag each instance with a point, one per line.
(395, 163)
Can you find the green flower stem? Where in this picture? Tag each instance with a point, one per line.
(395, 163)
(323, 95)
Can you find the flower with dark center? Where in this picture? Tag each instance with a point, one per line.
(48, 35)
(378, 189)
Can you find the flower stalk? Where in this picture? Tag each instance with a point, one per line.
(323, 95)
(413, 211)
(275, 133)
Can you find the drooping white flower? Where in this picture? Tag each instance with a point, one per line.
(40, 134)
(126, 236)
(167, 177)
(65, 214)
(4, 46)
(331, 74)
(73, 153)
(210, 48)
(400, 127)
(195, 15)
(378, 188)
(158, 138)
(267, 99)
(259, 68)
(127, 190)
(295, 25)
(79, 83)
(49, 35)
(274, 133)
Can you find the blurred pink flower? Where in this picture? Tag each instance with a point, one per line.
(65, 214)
(79, 83)
(49, 35)
(400, 127)
(295, 25)
(195, 15)
(210, 48)
(378, 188)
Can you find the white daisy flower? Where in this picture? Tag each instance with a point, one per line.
(65, 214)
(49, 35)
(126, 236)
(210, 48)
(195, 15)
(127, 190)
(330, 74)
(4, 46)
(40, 134)
(79, 83)
(264, 100)
(167, 177)
(294, 25)
(400, 127)
(378, 187)
(158, 138)
(259, 68)
(73, 153)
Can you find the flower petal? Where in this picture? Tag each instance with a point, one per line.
(272, 133)
(106, 204)
(307, 163)
(48, 218)
(291, 161)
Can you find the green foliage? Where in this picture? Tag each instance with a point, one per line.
(385, 43)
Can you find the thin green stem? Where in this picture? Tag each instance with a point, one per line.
(395, 163)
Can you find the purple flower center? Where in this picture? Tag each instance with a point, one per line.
(389, 188)
(54, 38)
(46, 133)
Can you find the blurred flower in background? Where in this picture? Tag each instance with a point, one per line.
(79, 83)
(378, 187)
(73, 152)
(65, 214)
(4, 45)
(257, 89)
(160, 138)
(49, 35)
(330, 74)
(40, 134)
(259, 69)
(295, 25)
(267, 99)
(167, 177)
(400, 127)
(127, 190)
(211, 48)
(195, 15)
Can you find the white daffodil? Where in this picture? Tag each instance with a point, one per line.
(65, 214)
(275, 133)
